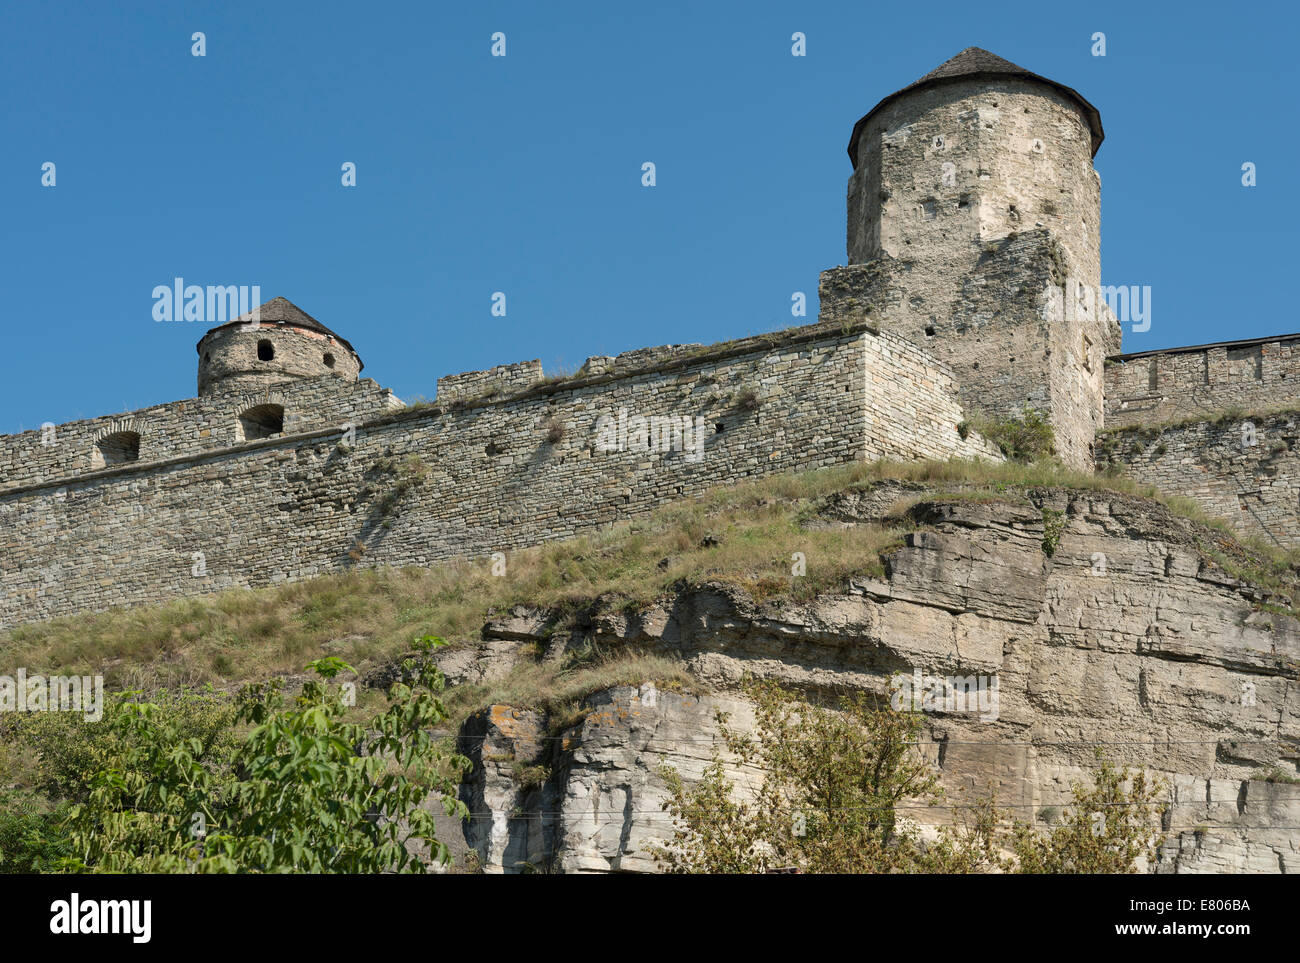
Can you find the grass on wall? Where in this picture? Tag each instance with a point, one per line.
(745, 535)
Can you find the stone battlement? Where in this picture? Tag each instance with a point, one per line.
(183, 429)
(196, 513)
(1150, 387)
(973, 234)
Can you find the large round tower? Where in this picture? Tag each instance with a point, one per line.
(974, 230)
(974, 151)
(277, 342)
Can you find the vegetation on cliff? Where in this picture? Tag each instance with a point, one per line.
(199, 784)
(838, 788)
(747, 535)
(776, 540)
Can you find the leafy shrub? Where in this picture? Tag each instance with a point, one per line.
(303, 791)
(832, 788)
(1107, 829)
(32, 837)
(1024, 437)
(1053, 527)
(828, 802)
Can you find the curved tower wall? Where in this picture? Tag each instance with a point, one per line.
(232, 358)
(974, 231)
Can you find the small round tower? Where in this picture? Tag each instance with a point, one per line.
(284, 343)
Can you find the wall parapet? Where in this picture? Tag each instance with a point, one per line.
(211, 424)
(444, 481)
(1151, 387)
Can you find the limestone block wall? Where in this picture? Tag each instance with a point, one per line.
(1157, 386)
(1016, 330)
(1245, 471)
(912, 405)
(503, 379)
(451, 481)
(181, 429)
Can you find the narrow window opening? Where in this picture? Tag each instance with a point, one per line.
(262, 421)
(929, 330)
(265, 350)
(116, 449)
(329, 360)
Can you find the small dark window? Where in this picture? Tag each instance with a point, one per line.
(717, 429)
(329, 360)
(929, 330)
(114, 449)
(265, 350)
(262, 421)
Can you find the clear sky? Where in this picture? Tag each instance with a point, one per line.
(522, 174)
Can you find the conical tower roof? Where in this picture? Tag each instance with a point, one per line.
(976, 62)
(283, 311)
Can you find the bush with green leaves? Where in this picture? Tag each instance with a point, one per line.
(829, 800)
(70, 750)
(32, 837)
(837, 783)
(303, 791)
(1024, 437)
(1107, 829)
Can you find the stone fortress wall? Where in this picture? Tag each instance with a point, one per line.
(1242, 470)
(1155, 387)
(1218, 423)
(518, 462)
(973, 237)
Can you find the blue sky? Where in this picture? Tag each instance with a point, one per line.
(522, 174)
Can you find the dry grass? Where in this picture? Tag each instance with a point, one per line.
(745, 534)
(1216, 418)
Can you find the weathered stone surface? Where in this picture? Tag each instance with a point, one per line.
(598, 807)
(1153, 655)
(1241, 469)
(352, 481)
(1152, 387)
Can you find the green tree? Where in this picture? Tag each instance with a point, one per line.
(304, 791)
(835, 782)
(832, 784)
(1107, 829)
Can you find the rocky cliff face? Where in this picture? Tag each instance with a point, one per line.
(1082, 619)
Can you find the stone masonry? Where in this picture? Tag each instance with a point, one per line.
(974, 230)
(974, 253)
(356, 479)
(1152, 387)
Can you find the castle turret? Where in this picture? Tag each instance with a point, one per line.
(974, 230)
(278, 342)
